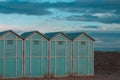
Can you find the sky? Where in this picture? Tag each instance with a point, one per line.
(99, 19)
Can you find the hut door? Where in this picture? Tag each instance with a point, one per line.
(10, 58)
(60, 58)
(83, 58)
(36, 54)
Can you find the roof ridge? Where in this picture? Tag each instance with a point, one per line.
(6, 31)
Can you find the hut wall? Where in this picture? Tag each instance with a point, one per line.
(83, 60)
(10, 56)
(36, 56)
(60, 56)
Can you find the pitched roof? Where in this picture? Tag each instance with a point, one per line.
(76, 34)
(53, 34)
(27, 34)
(4, 32)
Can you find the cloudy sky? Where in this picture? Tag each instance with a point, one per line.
(100, 19)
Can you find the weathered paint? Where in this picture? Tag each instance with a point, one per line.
(83, 60)
(10, 56)
(53, 59)
(60, 56)
(36, 56)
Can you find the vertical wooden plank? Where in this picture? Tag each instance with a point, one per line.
(71, 57)
(88, 55)
(42, 57)
(93, 57)
(16, 55)
(30, 57)
(23, 57)
(4, 58)
(1, 58)
(55, 57)
(65, 57)
(49, 47)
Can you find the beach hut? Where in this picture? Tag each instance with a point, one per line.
(83, 54)
(35, 54)
(60, 49)
(11, 53)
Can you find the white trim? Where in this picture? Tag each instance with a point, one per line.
(73, 57)
(7, 34)
(59, 34)
(36, 57)
(78, 37)
(3, 58)
(41, 57)
(60, 40)
(65, 58)
(55, 57)
(93, 56)
(36, 39)
(23, 59)
(16, 56)
(81, 40)
(88, 57)
(30, 57)
(11, 39)
(30, 37)
(16, 36)
(10, 57)
(49, 58)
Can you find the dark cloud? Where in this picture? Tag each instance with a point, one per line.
(77, 6)
(27, 8)
(93, 27)
(92, 5)
(90, 17)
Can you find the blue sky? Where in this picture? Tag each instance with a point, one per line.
(100, 19)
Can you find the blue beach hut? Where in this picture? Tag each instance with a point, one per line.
(60, 54)
(35, 54)
(83, 54)
(11, 53)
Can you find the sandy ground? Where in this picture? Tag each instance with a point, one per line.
(107, 67)
(98, 76)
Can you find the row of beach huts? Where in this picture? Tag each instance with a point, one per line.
(54, 54)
